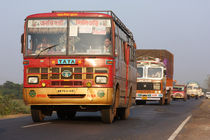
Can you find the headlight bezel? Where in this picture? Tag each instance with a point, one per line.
(97, 82)
(35, 77)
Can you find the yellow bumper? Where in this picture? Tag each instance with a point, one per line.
(68, 96)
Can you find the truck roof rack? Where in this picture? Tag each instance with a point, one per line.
(109, 12)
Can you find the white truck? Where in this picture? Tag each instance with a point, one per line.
(193, 90)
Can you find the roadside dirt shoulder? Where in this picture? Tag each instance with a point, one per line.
(199, 125)
(13, 116)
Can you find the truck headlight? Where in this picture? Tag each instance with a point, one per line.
(101, 79)
(156, 86)
(33, 80)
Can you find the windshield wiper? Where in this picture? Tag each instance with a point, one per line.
(48, 48)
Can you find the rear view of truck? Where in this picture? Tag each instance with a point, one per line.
(155, 76)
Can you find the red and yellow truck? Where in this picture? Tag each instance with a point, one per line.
(78, 61)
(179, 92)
(154, 76)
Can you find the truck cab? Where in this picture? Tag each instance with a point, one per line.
(193, 90)
(151, 80)
(179, 92)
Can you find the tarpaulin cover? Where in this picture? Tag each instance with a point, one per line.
(165, 56)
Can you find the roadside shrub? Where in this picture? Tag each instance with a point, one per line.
(8, 105)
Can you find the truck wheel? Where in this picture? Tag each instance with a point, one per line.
(37, 115)
(123, 113)
(107, 115)
(168, 100)
(162, 101)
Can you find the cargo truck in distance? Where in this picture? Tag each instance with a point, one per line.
(193, 90)
(154, 76)
(179, 93)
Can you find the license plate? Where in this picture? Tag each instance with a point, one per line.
(144, 97)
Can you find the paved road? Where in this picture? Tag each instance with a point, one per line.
(149, 121)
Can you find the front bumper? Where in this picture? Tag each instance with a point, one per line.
(68, 96)
(178, 96)
(149, 97)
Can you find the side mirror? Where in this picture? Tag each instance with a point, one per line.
(22, 42)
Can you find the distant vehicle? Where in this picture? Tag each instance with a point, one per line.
(201, 93)
(179, 92)
(193, 90)
(154, 76)
(207, 95)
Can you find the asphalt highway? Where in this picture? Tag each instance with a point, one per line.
(146, 122)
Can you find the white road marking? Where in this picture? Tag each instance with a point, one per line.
(36, 124)
(176, 132)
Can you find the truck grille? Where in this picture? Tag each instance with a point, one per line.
(77, 74)
(144, 86)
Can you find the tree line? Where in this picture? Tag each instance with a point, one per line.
(11, 89)
(11, 99)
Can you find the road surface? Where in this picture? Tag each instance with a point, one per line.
(146, 122)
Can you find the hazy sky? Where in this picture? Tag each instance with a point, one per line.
(180, 26)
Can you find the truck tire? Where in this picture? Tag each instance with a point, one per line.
(107, 115)
(162, 101)
(168, 100)
(37, 115)
(123, 113)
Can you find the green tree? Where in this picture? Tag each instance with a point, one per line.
(13, 89)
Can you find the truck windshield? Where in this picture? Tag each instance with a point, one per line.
(82, 36)
(189, 87)
(140, 72)
(178, 88)
(90, 36)
(195, 88)
(154, 73)
(43, 33)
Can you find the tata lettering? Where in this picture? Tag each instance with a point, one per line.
(66, 61)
